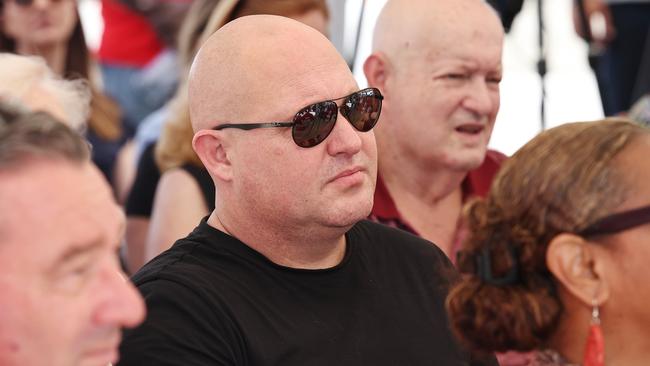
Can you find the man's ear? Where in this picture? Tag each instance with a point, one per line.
(376, 68)
(579, 266)
(212, 148)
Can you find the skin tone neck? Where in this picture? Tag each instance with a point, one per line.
(299, 251)
(54, 55)
(569, 338)
(626, 341)
(432, 209)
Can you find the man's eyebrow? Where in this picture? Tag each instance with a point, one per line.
(76, 250)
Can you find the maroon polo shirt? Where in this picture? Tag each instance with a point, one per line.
(476, 183)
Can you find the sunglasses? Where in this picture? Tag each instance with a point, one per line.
(312, 124)
(618, 222)
(27, 3)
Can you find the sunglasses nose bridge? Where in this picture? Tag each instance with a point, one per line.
(39, 4)
(344, 138)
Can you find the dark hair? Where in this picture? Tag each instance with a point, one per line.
(105, 115)
(561, 181)
(27, 135)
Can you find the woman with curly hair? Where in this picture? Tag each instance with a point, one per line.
(558, 251)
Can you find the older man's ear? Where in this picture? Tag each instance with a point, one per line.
(376, 68)
(212, 148)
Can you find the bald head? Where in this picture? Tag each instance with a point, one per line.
(254, 63)
(407, 25)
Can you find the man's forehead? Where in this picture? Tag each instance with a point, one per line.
(46, 196)
(39, 234)
(264, 62)
(407, 26)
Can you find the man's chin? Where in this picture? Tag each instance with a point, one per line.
(346, 218)
(467, 160)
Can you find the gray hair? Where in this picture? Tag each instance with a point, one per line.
(37, 135)
(24, 80)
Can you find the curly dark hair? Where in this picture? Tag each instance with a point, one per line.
(560, 182)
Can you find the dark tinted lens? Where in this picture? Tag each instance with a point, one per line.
(362, 109)
(314, 123)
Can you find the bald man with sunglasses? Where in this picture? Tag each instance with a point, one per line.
(286, 271)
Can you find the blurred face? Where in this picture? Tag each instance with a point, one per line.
(330, 184)
(64, 299)
(628, 252)
(42, 23)
(442, 99)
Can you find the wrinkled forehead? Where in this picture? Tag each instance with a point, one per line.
(49, 205)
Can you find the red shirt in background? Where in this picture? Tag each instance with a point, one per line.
(128, 38)
(477, 183)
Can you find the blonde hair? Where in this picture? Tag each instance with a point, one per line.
(174, 147)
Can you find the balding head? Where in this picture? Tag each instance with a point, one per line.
(266, 68)
(250, 62)
(438, 65)
(408, 25)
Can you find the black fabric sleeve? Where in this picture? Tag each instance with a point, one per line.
(181, 329)
(140, 199)
(203, 179)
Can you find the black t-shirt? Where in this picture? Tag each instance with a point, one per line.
(212, 300)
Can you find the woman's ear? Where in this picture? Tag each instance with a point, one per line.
(579, 266)
(212, 148)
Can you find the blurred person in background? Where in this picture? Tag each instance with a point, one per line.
(186, 192)
(619, 35)
(64, 298)
(640, 111)
(146, 174)
(557, 257)
(27, 81)
(137, 54)
(51, 29)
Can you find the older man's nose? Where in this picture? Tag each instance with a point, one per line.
(121, 306)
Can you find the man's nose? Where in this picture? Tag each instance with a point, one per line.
(344, 139)
(122, 305)
(481, 97)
